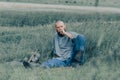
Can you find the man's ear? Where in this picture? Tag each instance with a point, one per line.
(65, 27)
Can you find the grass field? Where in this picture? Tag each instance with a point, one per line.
(22, 31)
(108, 3)
(103, 54)
(34, 18)
(86, 72)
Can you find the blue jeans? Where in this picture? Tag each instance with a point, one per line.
(53, 63)
(79, 45)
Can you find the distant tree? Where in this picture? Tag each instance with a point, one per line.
(74, 2)
(58, 0)
(96, 2)
(66, 2)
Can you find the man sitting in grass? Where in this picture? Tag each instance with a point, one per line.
(68, 47)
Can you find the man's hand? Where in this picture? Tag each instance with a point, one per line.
(63, 32)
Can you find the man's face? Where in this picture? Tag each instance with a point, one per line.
(59, 27)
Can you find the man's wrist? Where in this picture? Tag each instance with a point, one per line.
(68, 34)
(65, 33)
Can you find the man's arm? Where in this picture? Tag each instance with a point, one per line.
(69, 35)
(66, 34)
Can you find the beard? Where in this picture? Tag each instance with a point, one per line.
(59, 34)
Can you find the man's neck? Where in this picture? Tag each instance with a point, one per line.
(60, 35)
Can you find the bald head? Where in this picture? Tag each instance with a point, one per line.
(59, 23)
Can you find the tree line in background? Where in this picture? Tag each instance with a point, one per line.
(95, 4)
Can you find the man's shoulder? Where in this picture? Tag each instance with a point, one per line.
(55, 34)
